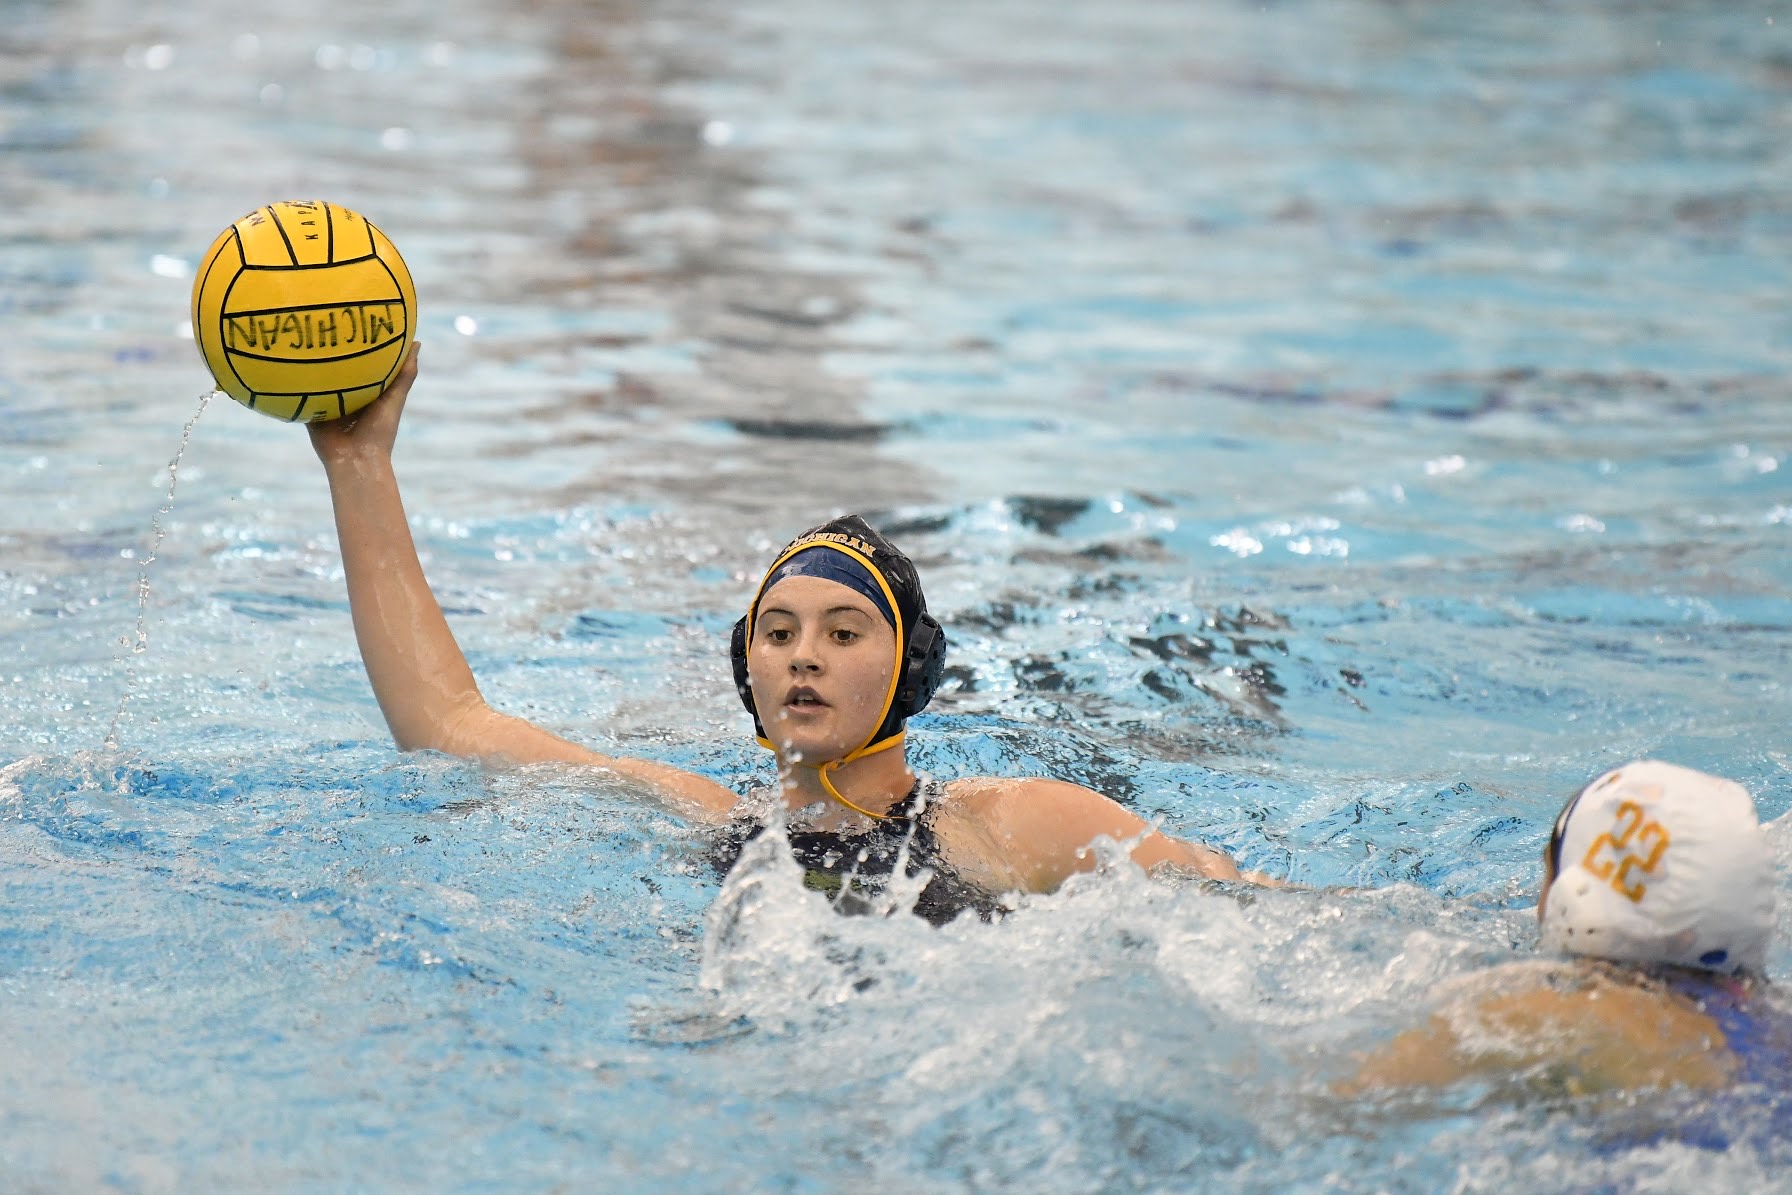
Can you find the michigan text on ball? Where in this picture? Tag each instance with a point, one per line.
(357, 326)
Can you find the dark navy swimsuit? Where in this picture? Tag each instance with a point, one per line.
(1756, 1031)
(1757, 1108)
(853, 869)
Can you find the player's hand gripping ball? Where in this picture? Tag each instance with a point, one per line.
(303, 311)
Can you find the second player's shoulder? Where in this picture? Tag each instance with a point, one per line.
(1583, 998)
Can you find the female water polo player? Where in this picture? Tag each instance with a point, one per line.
(835, 653)
(1658, 886)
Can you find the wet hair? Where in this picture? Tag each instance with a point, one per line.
(848, 550)
(1553, 853)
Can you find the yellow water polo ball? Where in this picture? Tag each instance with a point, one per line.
(303, 311)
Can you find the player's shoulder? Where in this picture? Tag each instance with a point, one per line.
(1010, 796)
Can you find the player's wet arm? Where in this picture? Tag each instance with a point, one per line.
(419, 674)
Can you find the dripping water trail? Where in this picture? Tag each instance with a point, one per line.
(138, 642)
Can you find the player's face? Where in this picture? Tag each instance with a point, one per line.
(820, 662)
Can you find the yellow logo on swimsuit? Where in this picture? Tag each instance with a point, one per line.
(1635, 843)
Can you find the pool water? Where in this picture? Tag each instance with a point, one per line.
(1337, 430)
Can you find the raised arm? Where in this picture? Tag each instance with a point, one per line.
(420, 676)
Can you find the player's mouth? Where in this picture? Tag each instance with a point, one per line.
(803, 699)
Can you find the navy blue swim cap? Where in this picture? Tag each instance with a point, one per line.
(831, 564)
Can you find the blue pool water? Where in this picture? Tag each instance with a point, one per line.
(1336, 429)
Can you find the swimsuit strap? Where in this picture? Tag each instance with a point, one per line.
(919, 803)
